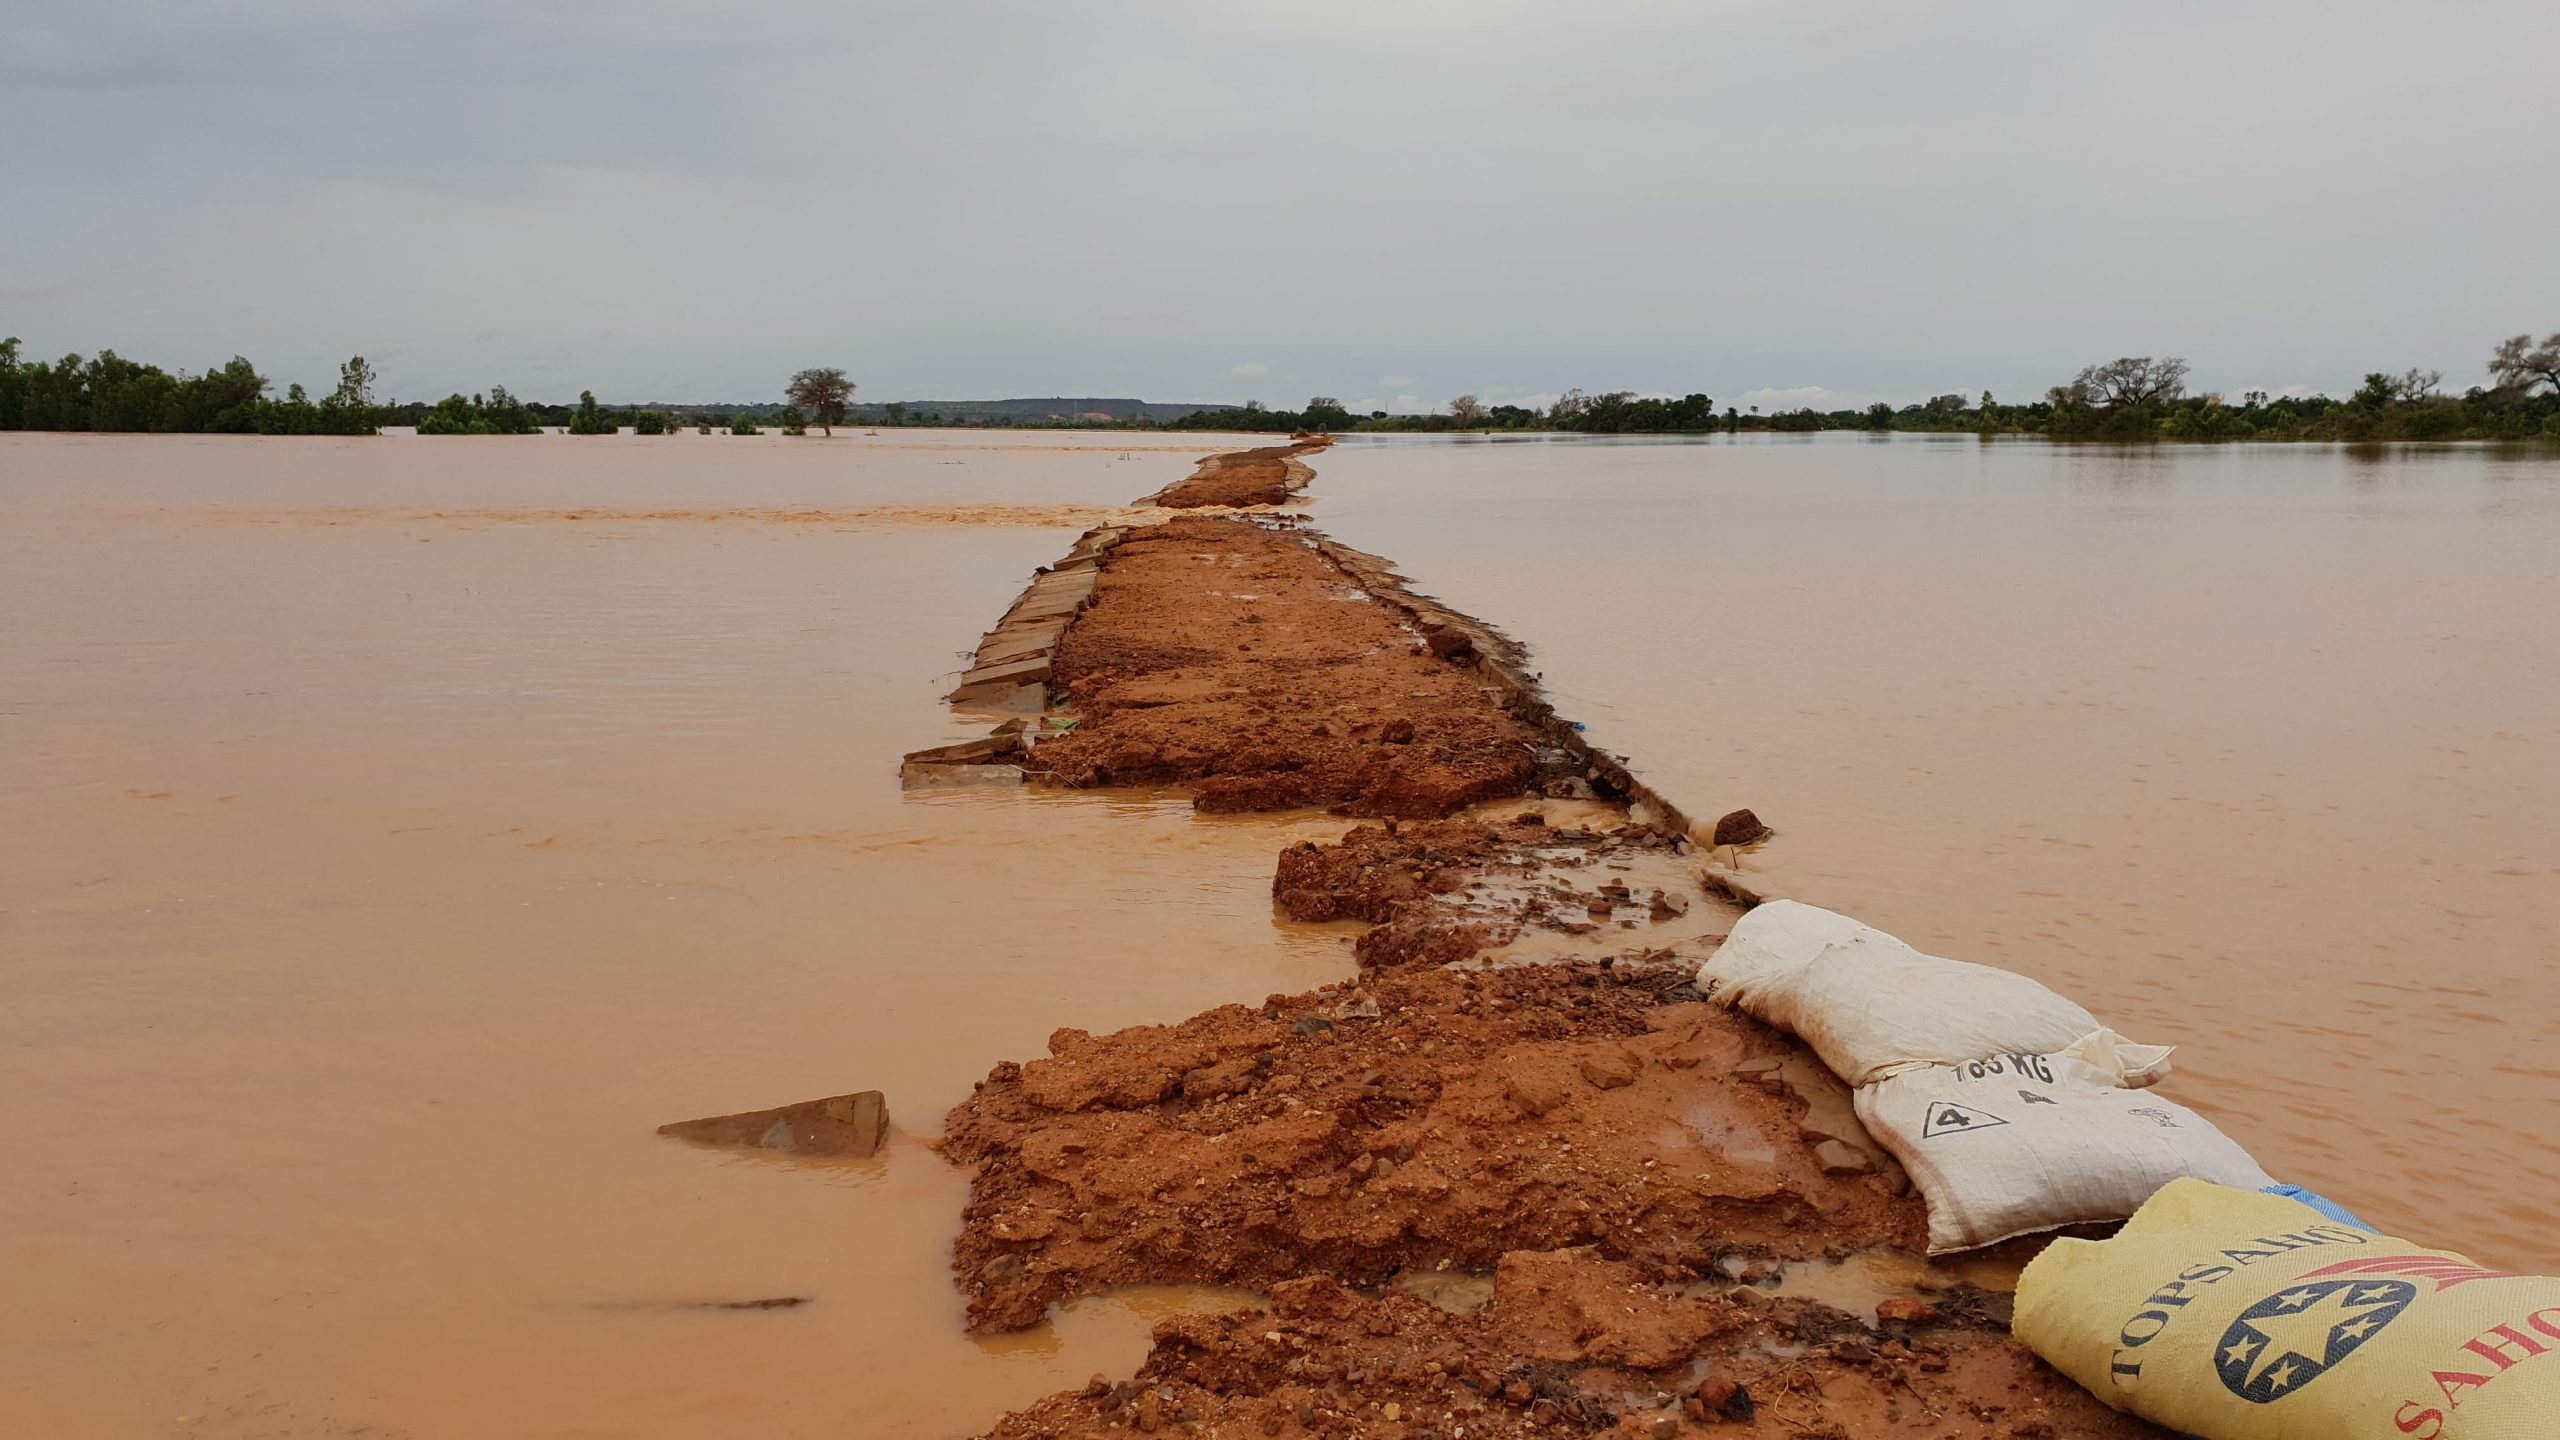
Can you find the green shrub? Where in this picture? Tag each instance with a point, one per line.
(589, 420)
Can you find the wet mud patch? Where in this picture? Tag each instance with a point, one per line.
(1428, 1116)
(1507, 890)
(1572, 1343)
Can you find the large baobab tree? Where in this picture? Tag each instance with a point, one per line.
(825, 394)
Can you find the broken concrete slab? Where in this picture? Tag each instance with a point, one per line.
(914, 776)
(1744, 888)
(1005, 744)
(1001, 678)
(1021, 700)
(843, 1126)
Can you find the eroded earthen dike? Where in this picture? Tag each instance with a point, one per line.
(1513, 1180)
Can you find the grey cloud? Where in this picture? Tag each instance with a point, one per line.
(973, 199)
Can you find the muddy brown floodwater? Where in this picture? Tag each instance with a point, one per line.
(394, 833)
(372, 884)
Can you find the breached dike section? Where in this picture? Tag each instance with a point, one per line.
(1271, 475)
(1520, 1096)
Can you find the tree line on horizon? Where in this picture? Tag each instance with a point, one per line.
(2133, 398)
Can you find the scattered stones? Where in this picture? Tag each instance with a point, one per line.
(1905, 1310)
(850, 1126)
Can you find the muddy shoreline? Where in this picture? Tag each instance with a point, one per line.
(1520, 1101)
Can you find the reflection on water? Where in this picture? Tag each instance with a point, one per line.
(2247, 748)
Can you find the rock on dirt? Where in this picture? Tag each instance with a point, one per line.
(1741, 828)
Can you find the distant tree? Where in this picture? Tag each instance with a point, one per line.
(2415, 387)
(2131, 380)
(792, 421)
(2521, 365)
(349, 410)
(1326, 413)
(824, 393)
(1879, 416)
(743, 424)
(355, 383)
(589, 420)
(650, 422)
(13, 386)
(1467, 411)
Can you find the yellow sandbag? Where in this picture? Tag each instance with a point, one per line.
(2239, 1316)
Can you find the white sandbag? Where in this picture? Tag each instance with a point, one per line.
(1760, 966)
(1870, 1005)
(2017, 1144)
(2255, 1317)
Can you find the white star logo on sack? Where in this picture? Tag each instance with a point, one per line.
(2295, 1336)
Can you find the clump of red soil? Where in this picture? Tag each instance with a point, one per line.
(1272, 475)
(1573, 1344)
(1433, 1116)
(1232, 656)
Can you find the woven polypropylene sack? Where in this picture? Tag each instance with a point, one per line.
(2240, 1316)
(1870, 1005)
(2018, 1144)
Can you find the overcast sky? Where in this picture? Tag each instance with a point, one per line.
(1392, 203)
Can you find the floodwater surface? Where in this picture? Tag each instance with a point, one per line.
(394, 832)
(374, 881)
(2250, 749)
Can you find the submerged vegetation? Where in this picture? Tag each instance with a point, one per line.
(2133, 398)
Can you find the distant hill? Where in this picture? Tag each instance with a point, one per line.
(1051, 410)
(1059, 408)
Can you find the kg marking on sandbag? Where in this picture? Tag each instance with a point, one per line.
(2243, 1316)
(2017, 1144)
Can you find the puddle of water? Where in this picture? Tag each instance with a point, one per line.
(1856, 1284)
(1107, 1322)
(1460, 1292)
